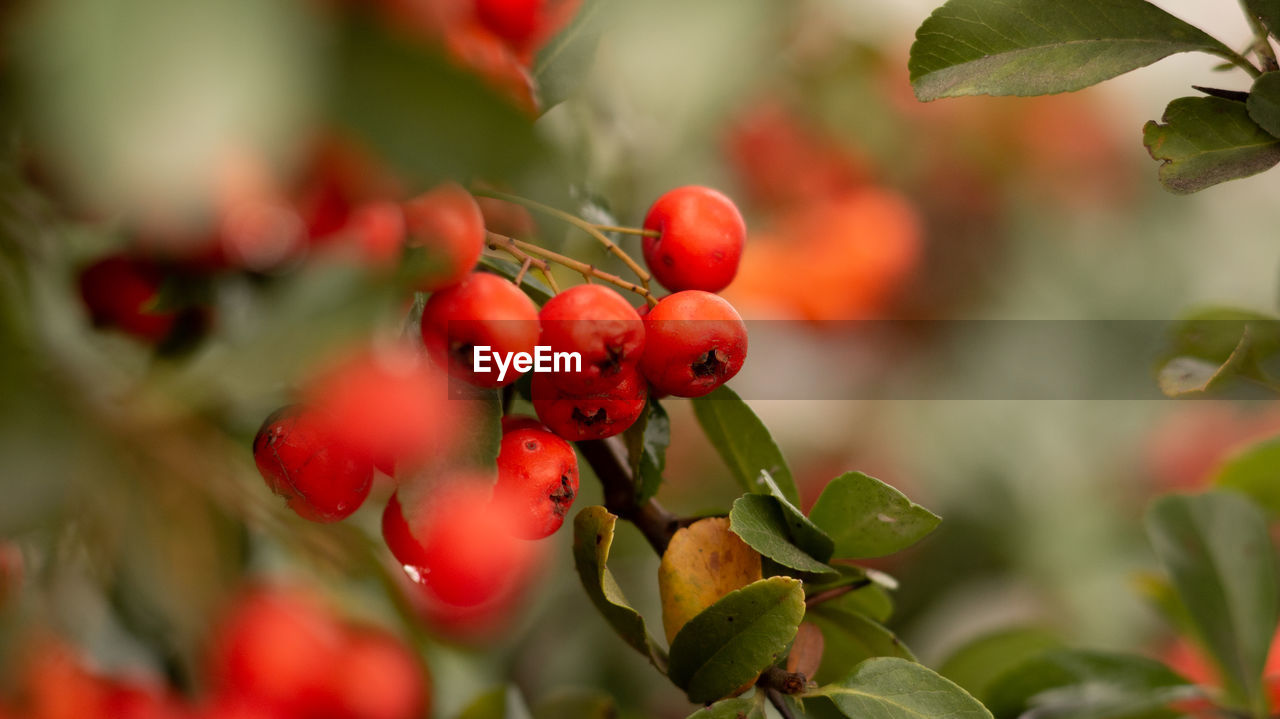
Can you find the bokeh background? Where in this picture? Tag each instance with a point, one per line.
(128, 502)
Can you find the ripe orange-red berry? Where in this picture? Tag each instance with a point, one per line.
(515, 21)
(460, 539)
(538, 475)
(699, 242)
(694, 342)
(483, 310)
(377, 229)
(594, 416)
(596, 323)
(322, 478)
(446, 224)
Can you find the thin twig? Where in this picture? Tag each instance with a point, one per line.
(524, 268)
(628, 230)
(522, 249)
(574, 220)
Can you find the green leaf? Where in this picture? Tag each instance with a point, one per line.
(592, 537)
(1264, 102)
(563, 65)
(1213, 346)
(735, 639)
(1217, 549)
(762, 523)
(979, 663)
(1079, 683)
(1268, 11)
(737, 708)
(892, 688)
(531, 285)
(576, 703)
(1255, 471)
(868, 518)
(1041, 47)
(850, 639)
(425, 117)
(647, 442)
(743, 442)
(499, 703)
(1208, 140)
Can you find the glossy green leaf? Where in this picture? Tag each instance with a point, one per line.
(1254, 471)
(563, 65)
(1264, 102)
(979, 663)
(1040, 47)
(762, 523)
(1213, 333)
(425, 117)
(736, 708)
(592, 537)
(850, 639)
(892, 688)
(743, 442)
(647, 442)
(733, 640)
(1204, 141)
(576, 703)
(868, 518)
(1084, 684)
(1217, 549)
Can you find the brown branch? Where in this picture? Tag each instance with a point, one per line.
(652, 519)
(522, 250)
(828, 595)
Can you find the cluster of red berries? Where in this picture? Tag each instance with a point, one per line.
(463, 537)
(279, 653)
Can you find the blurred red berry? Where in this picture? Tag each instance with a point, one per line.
(464, 548)
(445, 223)
(120, 291)
(277, 649)
(377, 677)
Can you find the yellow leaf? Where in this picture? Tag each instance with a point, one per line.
(703, 562)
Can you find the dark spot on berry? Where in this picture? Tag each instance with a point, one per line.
(666, 260)
(711, 364)
(531, 445)
(599, 415)
(462, 352)
(563, 497)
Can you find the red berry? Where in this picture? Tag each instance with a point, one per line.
(700, 240)
(595, 416)
(377, 230)
(694, 342)
(515, 21)
(377, 677)
(462, 542)
(399, 538)
(599, 325)
(277, 649)
(446, 223)
(483, 310)
(537, 474)
(389, 404)
(118, 291)
(322, 478)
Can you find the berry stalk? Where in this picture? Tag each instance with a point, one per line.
(522, 250)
